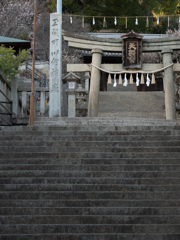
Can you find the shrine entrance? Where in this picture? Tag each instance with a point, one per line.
(131, 72)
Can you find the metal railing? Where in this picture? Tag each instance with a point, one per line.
(5, 110)
(38, 75)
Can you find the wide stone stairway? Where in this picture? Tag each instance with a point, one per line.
(90, 179)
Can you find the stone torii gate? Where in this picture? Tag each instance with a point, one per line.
(97, 46)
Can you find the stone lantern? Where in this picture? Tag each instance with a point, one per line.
(81, 94)
(71, 80)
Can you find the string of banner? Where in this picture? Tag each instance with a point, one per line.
(138, 81)
(117, 18)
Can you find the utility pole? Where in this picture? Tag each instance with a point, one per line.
(32, 98)
(59, 10)
(59, 6)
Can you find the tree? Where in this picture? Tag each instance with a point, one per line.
(161, 7)
(16, 19)
(117, 8)
(122, 8)
(9, 63)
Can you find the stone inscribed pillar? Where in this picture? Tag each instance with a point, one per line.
(95, 83)
(169, 85)
(55, 65)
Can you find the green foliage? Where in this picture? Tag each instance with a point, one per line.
(9, 63)
(117, 8)
(122, 8)
(162, 7)
(52, 5)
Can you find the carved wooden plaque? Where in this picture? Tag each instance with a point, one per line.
(132, 50)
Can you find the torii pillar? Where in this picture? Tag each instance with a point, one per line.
(169, 85)
(95, 83)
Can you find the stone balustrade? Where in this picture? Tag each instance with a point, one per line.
(40, 101)
(20, 97)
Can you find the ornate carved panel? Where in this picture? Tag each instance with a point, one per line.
(132, 50)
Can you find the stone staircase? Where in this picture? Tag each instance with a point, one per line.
(90, 179)
(132, 104)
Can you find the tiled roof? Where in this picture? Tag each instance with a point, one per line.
(11, 40)
(106, 54)
(118, 35)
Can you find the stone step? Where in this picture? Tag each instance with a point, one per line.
(77, 180)
(131, 142)
(88, 187)
(73, 124)
(91, 161)
(91, 228)
(99, 132)
(90, 138)
(108, 144)
(132, 104)
(93, 236)
(89, 149)
(123, 211)
(96, 132)
(123, 121)
(29, 155)
(89, 174)
(90, 179)
(90, 219)
(92, 167)
(91, 155)
(135, 195)
(135, 155)
(107, 125)
(69, 203)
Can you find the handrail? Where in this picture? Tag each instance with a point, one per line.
(3, 113)
(3, 103)
(7, 111)
(37, 70)
(2, 78)
(5, 95)
(4, 121)
(39, 76)
(29, 64)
